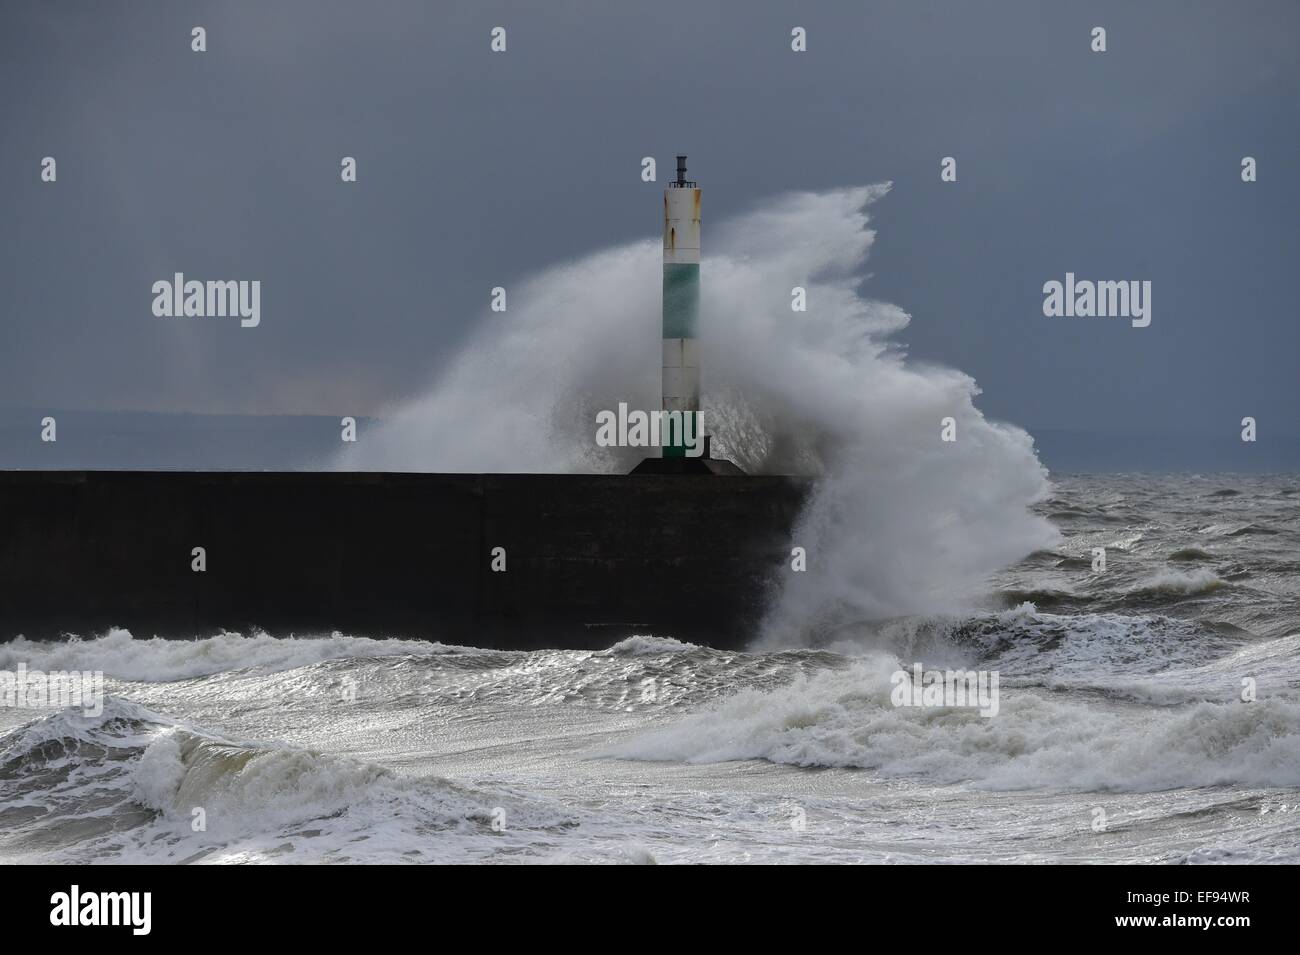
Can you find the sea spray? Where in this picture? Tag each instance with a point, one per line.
(900, 521)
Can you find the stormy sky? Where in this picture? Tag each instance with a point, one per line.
(476, 169)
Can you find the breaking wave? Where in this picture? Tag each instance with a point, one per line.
(121, 656)
(1036, 741)
(132, 786)
(900, 521)
(1177, 583)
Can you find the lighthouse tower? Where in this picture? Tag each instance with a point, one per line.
(681, 365)
(681, 307)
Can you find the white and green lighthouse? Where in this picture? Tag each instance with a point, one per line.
(681, 306)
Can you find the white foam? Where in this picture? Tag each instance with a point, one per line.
(645, 645)
(256, 802)
(117, 654)
(901, 521)
(1198, 581)
(1037, 741)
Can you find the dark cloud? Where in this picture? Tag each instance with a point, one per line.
(476, 169)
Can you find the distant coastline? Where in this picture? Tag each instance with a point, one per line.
(128, 440)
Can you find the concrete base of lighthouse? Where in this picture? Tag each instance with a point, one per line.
(688, 466)
(704, 464)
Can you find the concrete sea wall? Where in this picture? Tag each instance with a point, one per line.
(589, 558)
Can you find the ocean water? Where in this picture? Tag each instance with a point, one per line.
(1121, 732)
(1120, 700)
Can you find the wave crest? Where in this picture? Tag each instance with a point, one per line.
(900, 521)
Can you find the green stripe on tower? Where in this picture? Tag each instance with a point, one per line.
(681, 300)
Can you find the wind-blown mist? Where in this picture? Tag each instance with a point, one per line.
(900, 522)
